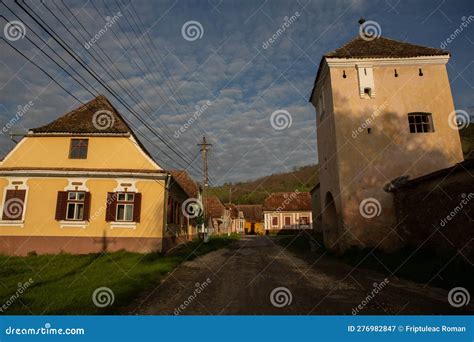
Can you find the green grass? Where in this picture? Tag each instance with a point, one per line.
(64, 283)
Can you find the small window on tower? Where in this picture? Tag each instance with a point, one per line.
(420, 123)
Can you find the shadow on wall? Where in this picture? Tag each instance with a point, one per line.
(375, 146)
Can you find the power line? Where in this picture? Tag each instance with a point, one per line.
(99, 79)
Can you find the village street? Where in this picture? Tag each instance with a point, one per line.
(240, 279)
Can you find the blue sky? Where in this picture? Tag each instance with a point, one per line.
(227, 67)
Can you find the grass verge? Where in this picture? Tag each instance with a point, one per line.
(64, 283)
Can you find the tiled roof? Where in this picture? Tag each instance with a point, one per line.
(186, 183)
(382, 48)
(234, 212)
(252, 212)
(404, 182)
(96, 116)
(215, 208)
(377, 48)
(288, 201)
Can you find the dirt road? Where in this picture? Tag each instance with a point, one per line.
(240, 280)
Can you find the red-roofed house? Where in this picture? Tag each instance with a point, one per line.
(287, 210)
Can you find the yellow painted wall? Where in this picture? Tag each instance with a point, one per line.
(103, 152)
(40, 209)
(357, 166)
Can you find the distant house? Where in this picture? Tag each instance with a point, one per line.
(287, 210)
(253, 216)
(179, 225)
(237, 218)
(218, 215)
(84, 183)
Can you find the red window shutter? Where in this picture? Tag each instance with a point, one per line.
(87, 206)
(137, 207)
(14, 205)
(111, 206)
(61, 204)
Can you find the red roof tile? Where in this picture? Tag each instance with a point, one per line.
(252, 212)
(214, 207)
(288, 201)
(185, 182)
(382, 48)
(96, 116)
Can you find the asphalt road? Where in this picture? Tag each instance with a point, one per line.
(240, 279)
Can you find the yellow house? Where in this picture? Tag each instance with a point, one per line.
(84, 183)
(253, 216)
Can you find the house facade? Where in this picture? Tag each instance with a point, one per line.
(218, 215)
(384, 110)
(84, 184)
(237, 218)
(287, 210)
(253, 218)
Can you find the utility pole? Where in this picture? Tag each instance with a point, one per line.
(204, 146)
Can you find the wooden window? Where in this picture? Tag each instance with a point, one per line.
(13, 205)
(274, 221)
(304, 220)
(125, 202)
(123, 207)
(73, 205)
(287, 220)
(420, 122)
(78, 149)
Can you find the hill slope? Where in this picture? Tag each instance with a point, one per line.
(255, 192)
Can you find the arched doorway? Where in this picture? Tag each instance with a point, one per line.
(330, 231)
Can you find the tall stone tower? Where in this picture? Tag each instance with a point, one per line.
(384, 110)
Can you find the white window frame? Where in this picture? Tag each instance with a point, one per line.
(125, 203)
(76, 202)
